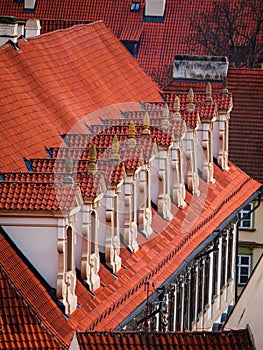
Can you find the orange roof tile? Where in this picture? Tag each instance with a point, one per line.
(24, 324)
(155, 260)
(126, 340)
(40, 88)
(246, 122)
(159, 41)
(36, 196)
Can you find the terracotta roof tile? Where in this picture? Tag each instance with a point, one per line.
(131, 32)
(36, 196)
(246, 126)
(159, 42)
(42, 114)
(24, 323)
(229, 340)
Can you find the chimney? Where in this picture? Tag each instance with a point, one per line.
(30, 4)
(203, 68)
(8, 29)
(32, 28)
(155, 8)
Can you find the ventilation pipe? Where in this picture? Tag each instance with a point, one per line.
(33, 28)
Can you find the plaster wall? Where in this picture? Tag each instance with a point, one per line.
(37, 239)
(154, 180)
(78, 235)
(249, 306)
(215, 139)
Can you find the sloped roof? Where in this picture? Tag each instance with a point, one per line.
(159, 41)
(155, 260)
(227, 340)
(40, 96)
(246, 122)
(24, 327)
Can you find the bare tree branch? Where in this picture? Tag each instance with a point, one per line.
(231, 28)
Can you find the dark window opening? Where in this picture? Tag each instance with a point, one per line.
(69, 262)
(132, 47)
(93, 232)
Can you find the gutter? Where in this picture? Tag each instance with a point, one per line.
(192, 256)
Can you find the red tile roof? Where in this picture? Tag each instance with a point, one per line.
(155, 260)
(227, 340)
(36, 196)
(39, 88)
(26, 308)
(246, 122)
(20, 326)
(160, 41)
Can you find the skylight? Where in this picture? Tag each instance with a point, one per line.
(135, 6)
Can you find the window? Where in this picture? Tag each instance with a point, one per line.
(132, 47)
(69, 257)
(93, 234)
(135, 6)
(243, 268)
(246, 217)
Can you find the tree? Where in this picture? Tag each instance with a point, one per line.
(230, 28)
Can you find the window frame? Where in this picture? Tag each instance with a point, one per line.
(135, 6)
(240, 265)
(249, 218)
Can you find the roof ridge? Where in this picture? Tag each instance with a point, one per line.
(69, 29)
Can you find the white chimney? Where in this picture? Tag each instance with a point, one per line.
(8, 29)
(155, 8)
(30, 4)
(32, 28)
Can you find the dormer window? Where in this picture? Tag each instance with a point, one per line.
(132, 47)
(154, 11)
(135, 6)
(130, 37)
(30, 6)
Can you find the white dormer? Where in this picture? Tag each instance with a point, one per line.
(33, 28)
(155, 8)
(8, 29)
(30, 4)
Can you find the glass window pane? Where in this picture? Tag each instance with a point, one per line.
(244, 260)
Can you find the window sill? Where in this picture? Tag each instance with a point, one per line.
(247, 229)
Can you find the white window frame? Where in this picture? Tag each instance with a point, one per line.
(248, 219)
(241, 265)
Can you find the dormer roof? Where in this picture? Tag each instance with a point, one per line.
(52, 86)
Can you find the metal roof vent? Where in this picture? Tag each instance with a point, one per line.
(155, 8)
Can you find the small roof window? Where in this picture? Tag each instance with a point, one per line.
(135, 6)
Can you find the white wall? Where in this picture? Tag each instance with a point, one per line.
(216, 138)
(248, 310)
(199, 148)
(78, 232)
(102, 225)
(37, 240)
(154, 180)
